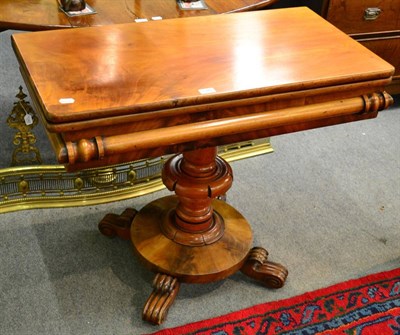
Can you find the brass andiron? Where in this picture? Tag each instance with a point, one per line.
(24, 119)
(73, 5)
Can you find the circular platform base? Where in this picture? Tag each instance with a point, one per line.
(191, 264)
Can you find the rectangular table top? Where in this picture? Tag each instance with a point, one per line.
(95, 81)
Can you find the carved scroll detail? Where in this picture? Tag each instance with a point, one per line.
(268, 273)
(165, 289)
(118, 225)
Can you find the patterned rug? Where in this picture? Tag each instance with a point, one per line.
(365, 306)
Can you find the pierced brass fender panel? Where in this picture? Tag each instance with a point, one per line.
(50, 186)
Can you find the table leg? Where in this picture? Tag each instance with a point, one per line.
(258, 267)
(165, 289)
(118, 225)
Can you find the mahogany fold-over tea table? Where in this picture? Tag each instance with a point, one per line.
(124, 92)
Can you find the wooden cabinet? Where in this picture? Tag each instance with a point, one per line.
(374, 23)
(364, 16)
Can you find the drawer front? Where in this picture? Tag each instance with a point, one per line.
(388, 49)
(364, 16)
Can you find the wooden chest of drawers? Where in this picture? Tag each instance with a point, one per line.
(374, 23)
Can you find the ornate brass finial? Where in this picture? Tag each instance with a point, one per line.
(24, 119)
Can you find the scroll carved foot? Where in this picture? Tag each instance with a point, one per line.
(165, 289)
(268, 273)
(118, 225)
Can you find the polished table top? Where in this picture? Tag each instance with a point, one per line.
(140, 90)
(45, 14)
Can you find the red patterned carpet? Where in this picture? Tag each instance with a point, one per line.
(365, 306)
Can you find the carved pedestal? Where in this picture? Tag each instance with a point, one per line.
(192, 237)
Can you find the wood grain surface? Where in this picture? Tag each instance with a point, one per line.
(137, 68)
(143, 90)
(45, 14)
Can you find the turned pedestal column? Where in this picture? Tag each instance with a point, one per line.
(192, 237)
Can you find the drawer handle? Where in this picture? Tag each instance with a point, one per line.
(372, 13)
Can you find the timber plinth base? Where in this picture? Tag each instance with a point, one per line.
(175, 263)
(192, 237)
(191, 264)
